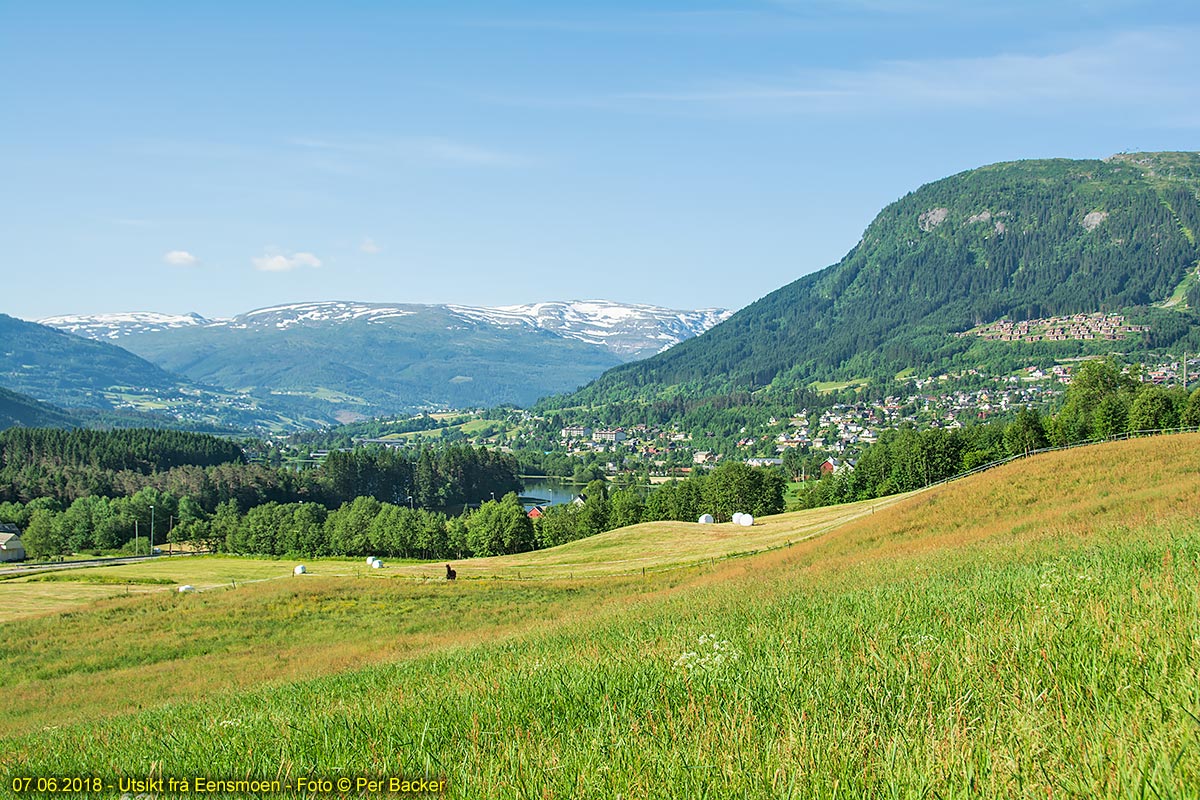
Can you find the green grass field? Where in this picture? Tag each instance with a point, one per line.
(1033, 631)
(653, 546)
(825, 387)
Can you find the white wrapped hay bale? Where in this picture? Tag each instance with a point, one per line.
(705, 519)
(737, 517)
(376, 564)
(370, 559)
(746, 521)
(187, 587)
(299, 570)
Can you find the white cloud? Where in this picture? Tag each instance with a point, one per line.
(180, 258)
(1145, 72)
(282, 262)
(369, 247)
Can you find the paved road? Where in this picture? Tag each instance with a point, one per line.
(54, 566)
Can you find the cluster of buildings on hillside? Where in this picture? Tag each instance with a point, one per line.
(843, 429)
(1080, 327)
(638, 438)
(947, 401)
(849, 428)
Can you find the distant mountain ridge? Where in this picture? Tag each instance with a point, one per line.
(119, 325)
(345, 360)
(74, 373)
(46, 363)
(626, 329)
(1017, 240)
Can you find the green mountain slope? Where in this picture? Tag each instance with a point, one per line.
(1019, 240)
(24, 411)
(105, 385)
(68, 370)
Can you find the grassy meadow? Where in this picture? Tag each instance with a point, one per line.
(654, 546)
(1033, 631)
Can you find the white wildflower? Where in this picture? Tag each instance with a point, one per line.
(712, 654)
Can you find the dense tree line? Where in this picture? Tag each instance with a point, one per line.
(143, 450)
(366, 525)
(67, 465)
(76, 491)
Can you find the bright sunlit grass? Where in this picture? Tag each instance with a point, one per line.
(1033, 631)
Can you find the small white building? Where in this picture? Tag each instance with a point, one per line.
(760, 461)
(11, 548)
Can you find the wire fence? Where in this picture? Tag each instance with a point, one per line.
(1120, 437)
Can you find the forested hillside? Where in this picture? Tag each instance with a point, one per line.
(19, 409)
(143, 450)
(42, 362)
(1018, 240)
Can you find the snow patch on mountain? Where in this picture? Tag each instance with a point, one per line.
(286, 316)
(116, 325)
(628, 330)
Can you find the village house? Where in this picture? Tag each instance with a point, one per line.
(834, 466)
(761, 461)
(11, 548)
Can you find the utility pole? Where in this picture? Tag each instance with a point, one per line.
(150, 549)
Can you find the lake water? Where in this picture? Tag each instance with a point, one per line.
(548, 491)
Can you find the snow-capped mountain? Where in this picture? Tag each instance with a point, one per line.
(116, 326)
(348, 359)
(629, 331)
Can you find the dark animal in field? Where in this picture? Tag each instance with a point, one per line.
(450, 573)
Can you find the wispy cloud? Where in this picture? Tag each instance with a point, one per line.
(369, 247)
(273, 261)
(1148, 71)
(180, 258)
(419, 150)
(713, 21)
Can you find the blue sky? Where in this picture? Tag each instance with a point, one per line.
(217, 157)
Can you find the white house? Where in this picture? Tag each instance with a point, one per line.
(11, 548)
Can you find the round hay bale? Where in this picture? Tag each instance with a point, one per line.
(705, 519)
(737, 517)
(299, 570)
(369, 560)
(376, 564)
(746, 521)
(187, 587)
